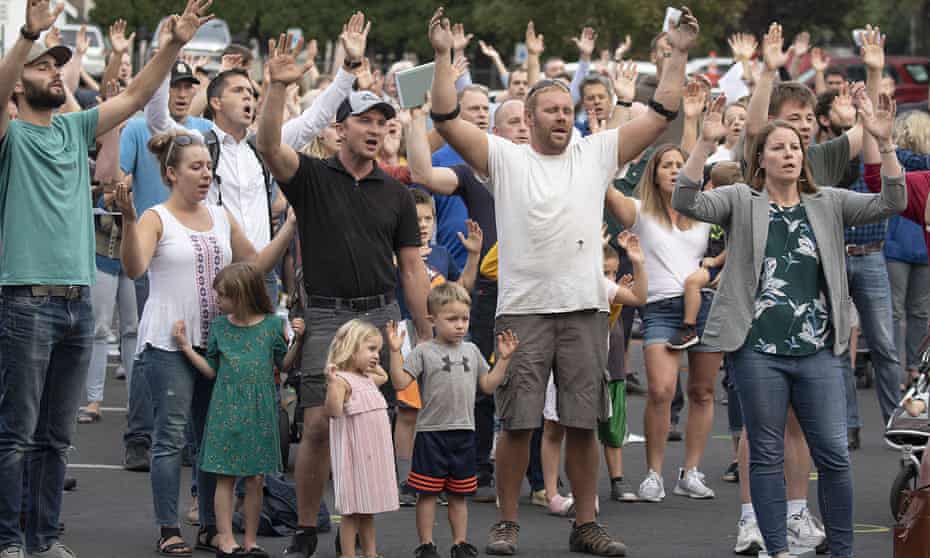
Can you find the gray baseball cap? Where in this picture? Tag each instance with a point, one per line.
(60, 53)
(360, 102)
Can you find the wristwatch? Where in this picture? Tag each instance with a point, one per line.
(27, 35)
(350, 65)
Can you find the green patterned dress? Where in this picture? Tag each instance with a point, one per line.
(792, 316)
(241, 437)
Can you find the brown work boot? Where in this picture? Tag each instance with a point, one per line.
(592, 538)
(502, 539)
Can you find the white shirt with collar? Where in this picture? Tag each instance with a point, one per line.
(242, 184)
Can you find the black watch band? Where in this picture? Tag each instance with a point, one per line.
(352, 65)
(27, 35)
(626, 104)
(662, 111)
(448, 116)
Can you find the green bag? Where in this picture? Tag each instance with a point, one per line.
(613, 432)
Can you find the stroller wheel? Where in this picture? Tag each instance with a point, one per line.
(905, 481)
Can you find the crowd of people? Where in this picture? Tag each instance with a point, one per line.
(462, 279)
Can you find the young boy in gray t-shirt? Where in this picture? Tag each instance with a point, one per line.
(448, 370)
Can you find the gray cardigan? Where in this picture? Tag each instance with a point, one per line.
(744, 213)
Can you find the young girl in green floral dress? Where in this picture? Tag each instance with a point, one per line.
(241, 436)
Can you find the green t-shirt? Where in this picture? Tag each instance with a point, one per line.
(46, 221)
(792, 317)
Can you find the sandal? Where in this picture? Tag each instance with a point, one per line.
(86, 416)
(237, 552)
(256, 552)
(205, 538)
(173, 549)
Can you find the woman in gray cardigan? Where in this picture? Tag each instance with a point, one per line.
(781, 307)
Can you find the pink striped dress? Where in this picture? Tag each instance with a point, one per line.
(362, 452)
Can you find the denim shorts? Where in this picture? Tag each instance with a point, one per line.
(662, 318)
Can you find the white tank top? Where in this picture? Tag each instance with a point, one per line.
(181, 277)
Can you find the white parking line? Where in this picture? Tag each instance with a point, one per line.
(95, 466)
(114, 409)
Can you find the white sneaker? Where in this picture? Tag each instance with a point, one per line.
(652, 489)
(12, 552)
(804, 531)
(634, 439)
(691, 484)
(748, 538)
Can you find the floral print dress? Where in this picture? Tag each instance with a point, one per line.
(792, 316)
(241, 437)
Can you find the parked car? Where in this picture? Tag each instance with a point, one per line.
(210, 40)
(95, 58)
(910, 73)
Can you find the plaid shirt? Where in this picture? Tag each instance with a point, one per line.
(865, 234)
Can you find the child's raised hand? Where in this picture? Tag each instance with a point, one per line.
(630, 242)
(472, 242)
(605, 235)
(179, 333)
(626, 281)
(395, 336)
(507, 344)
(299, 327)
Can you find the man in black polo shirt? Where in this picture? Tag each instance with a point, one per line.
(353, 220)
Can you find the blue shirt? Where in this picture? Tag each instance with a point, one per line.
(441, 268)
(905, 241)
(872, 232)
(136, 159)
(451, 212)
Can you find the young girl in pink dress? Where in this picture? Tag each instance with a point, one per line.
(360, 435)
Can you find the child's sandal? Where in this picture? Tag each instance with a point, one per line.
(205, 536)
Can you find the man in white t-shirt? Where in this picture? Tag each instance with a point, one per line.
(549, 199)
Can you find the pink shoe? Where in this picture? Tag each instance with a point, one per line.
(561, 506)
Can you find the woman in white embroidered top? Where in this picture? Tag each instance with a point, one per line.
(182, 243)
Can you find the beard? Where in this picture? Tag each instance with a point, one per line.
(41, 98)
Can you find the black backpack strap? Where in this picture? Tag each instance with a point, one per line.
(269, 180)
(213, 146)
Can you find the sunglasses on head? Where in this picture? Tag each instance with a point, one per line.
(545, 84)
(181, 139)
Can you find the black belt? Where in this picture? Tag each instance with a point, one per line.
(864, 249)
(360, 304)
(68, 292)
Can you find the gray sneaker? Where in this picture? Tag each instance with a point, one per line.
(12, 551)
(56, 550)
(622, 491)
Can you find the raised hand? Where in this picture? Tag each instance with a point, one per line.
(714, 129)
(53, 37)
(630, 242)
(440, 32)
(118, 40)
(623, 48)
(459, 39)
(684, 35)
(488, 50)
(625, 82)
(186, 25)
(312, 50)
(81, 42)
(878, 121)
(772, 52)
(282, 60)
(873, 48)
(395, 336)
(460, 65)
(819, 60)
(39, 17)
(363, 76)
(802, 43)
(230, 62)
(694, 99)
(843, 110)
(124, 202)
(534, 43)
(585, 42)
(507, 344)
(743, 45)
(472, 242)
(111, 89)
(354, 36)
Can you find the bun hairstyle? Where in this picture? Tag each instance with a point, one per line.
(168, 147)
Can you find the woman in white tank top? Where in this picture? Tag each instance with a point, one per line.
(673, 246)
(182, 243)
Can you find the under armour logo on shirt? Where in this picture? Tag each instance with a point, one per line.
(447, 364)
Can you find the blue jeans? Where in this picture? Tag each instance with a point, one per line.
(871, 292)
(734, 409)
(176, 388)
(139, 420)
(812, 385)
(45, 347)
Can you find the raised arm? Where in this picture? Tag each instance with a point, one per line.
(400, 379)
(439, 180)
(585, 43)
(507, 344)
(119, 46)
(535, 45)
(472, 244)
(300, 131)
(693, 103)
(38, 19)
(141, 88)
(773, 57)
(71, 72)
(802, 43)
(139, 239)
(625, 90)
(639, 289)
(642, 131)
(491, 52)
(243, 250)
(469, 141)
(819, 61)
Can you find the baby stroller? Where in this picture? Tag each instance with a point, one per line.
(910, 434)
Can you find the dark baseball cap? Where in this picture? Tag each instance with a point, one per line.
(360, 102)
(181, 71)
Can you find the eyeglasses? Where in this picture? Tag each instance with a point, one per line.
(181, 139)
(545, 84)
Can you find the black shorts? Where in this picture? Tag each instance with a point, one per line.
(444, 461)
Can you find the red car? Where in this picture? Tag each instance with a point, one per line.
(911, 73)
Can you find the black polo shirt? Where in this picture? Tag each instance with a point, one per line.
(350, 230)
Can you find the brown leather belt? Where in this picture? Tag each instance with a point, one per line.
(864, 249)
(68, 292)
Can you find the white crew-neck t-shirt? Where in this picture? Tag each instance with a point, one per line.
(549, 211)
(671, 254)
